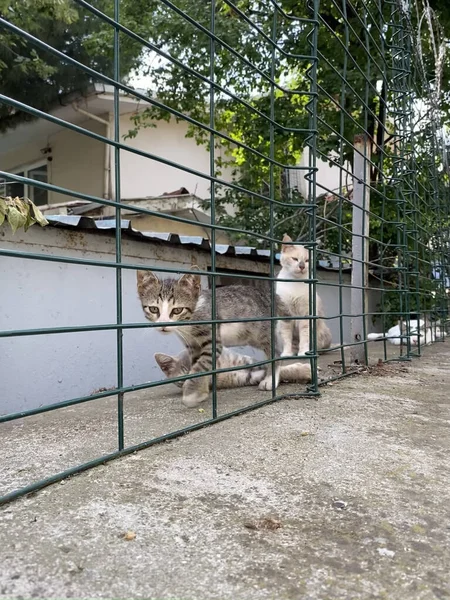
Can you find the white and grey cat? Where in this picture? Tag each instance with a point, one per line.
(176, 366)
(171, 300)
(422, 329)
(295, 296)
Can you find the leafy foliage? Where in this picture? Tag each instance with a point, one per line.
(355, 71)
(20, 212)
(38, 77)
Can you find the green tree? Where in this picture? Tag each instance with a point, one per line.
(350, 47)
(34, 76)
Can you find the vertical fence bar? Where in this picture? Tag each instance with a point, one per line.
(311, 107)
(381, 174)
(212, 172)
(367, 156)
(341, 186)
(118, 217)
(273, 303)
(398, 167)
(405, 141)
(360, 245)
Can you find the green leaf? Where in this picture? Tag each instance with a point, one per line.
(3, 207)
(30, 220)
(38, 216)
(15, 218)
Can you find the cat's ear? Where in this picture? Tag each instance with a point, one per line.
(144, 279)
(192, 281)
(286, 238)
(166, 363)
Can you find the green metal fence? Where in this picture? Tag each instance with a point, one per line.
(279, 87)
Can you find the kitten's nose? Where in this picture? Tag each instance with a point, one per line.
(301, 266)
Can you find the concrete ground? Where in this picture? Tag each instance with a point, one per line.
(345, 496)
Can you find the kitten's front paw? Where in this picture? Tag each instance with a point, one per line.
(266, 384)
(194, 399)
(195, 391)
(257, 376)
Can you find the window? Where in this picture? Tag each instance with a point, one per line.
(37, 172)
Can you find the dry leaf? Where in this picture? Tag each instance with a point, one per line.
(20, 212)
(129, 535)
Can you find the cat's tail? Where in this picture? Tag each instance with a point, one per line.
(376, 336)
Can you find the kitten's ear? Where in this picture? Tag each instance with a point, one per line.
(191, 280)
(286, 238)
(144, 279)
(166, 362)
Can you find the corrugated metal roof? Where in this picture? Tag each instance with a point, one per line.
(88, 223)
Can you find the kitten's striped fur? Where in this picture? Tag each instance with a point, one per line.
(171, 300)
(177, 366)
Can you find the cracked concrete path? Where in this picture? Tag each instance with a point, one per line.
(346, 496)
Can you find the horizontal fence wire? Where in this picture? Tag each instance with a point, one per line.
(319, 120)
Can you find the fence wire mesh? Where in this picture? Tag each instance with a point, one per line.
(322, 120)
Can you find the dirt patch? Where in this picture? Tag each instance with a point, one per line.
(380, 369)
(268, 523)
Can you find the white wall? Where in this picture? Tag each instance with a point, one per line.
(77, 160)
(328, 176)
(44, 369)
(143, 177)
(41, 370)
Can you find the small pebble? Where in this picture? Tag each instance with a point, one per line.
(386, 552)
(340, 504)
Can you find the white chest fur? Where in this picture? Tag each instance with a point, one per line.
(292, 289)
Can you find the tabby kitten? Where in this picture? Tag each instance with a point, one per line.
(295, 295)
(176, 366)
(171, 300)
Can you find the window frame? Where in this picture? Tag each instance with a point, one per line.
(25, 169)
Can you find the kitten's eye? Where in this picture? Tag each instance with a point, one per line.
(306, 260)
(295, 259)
(177, 311)
(153, 309)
